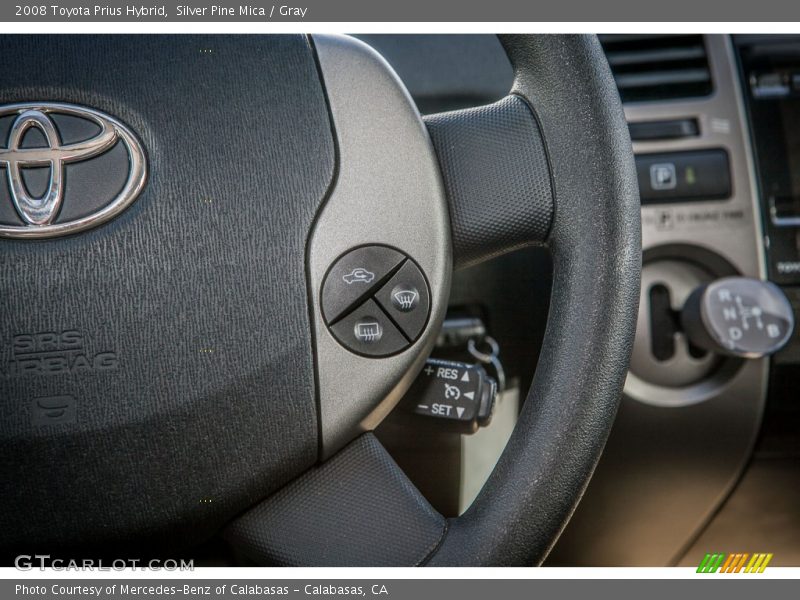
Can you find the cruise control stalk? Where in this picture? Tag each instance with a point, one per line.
(461, 395)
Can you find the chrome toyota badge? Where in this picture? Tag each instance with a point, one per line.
(95, 168)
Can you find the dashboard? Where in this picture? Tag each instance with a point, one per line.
(703, 442)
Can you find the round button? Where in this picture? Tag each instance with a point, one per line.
(368, 330)
(375, 300)
(405, 298)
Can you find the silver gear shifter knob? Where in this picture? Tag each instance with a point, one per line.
(738, 316)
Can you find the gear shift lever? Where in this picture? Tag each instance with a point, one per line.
(738, 316)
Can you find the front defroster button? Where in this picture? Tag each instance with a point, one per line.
(405, 297)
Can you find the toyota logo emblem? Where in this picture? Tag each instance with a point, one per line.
(38, 216)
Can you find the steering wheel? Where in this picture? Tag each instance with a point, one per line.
(241, 309)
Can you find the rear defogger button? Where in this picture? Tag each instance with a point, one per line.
(368, 331)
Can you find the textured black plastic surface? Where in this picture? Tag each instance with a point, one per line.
(357, 509)
(198, 290)
(497, 178)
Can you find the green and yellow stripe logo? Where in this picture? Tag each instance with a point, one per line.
(719, 562)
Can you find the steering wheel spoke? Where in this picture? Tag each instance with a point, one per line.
(356, 509)
(549, 164)
(496, 174)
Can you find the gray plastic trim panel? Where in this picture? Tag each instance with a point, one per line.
(389, 191)
(730, 228)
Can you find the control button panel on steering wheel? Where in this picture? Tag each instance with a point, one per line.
(375, 301)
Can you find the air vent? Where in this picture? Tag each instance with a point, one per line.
(658, 67)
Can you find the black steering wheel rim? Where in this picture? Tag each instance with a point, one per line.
(595, 242)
